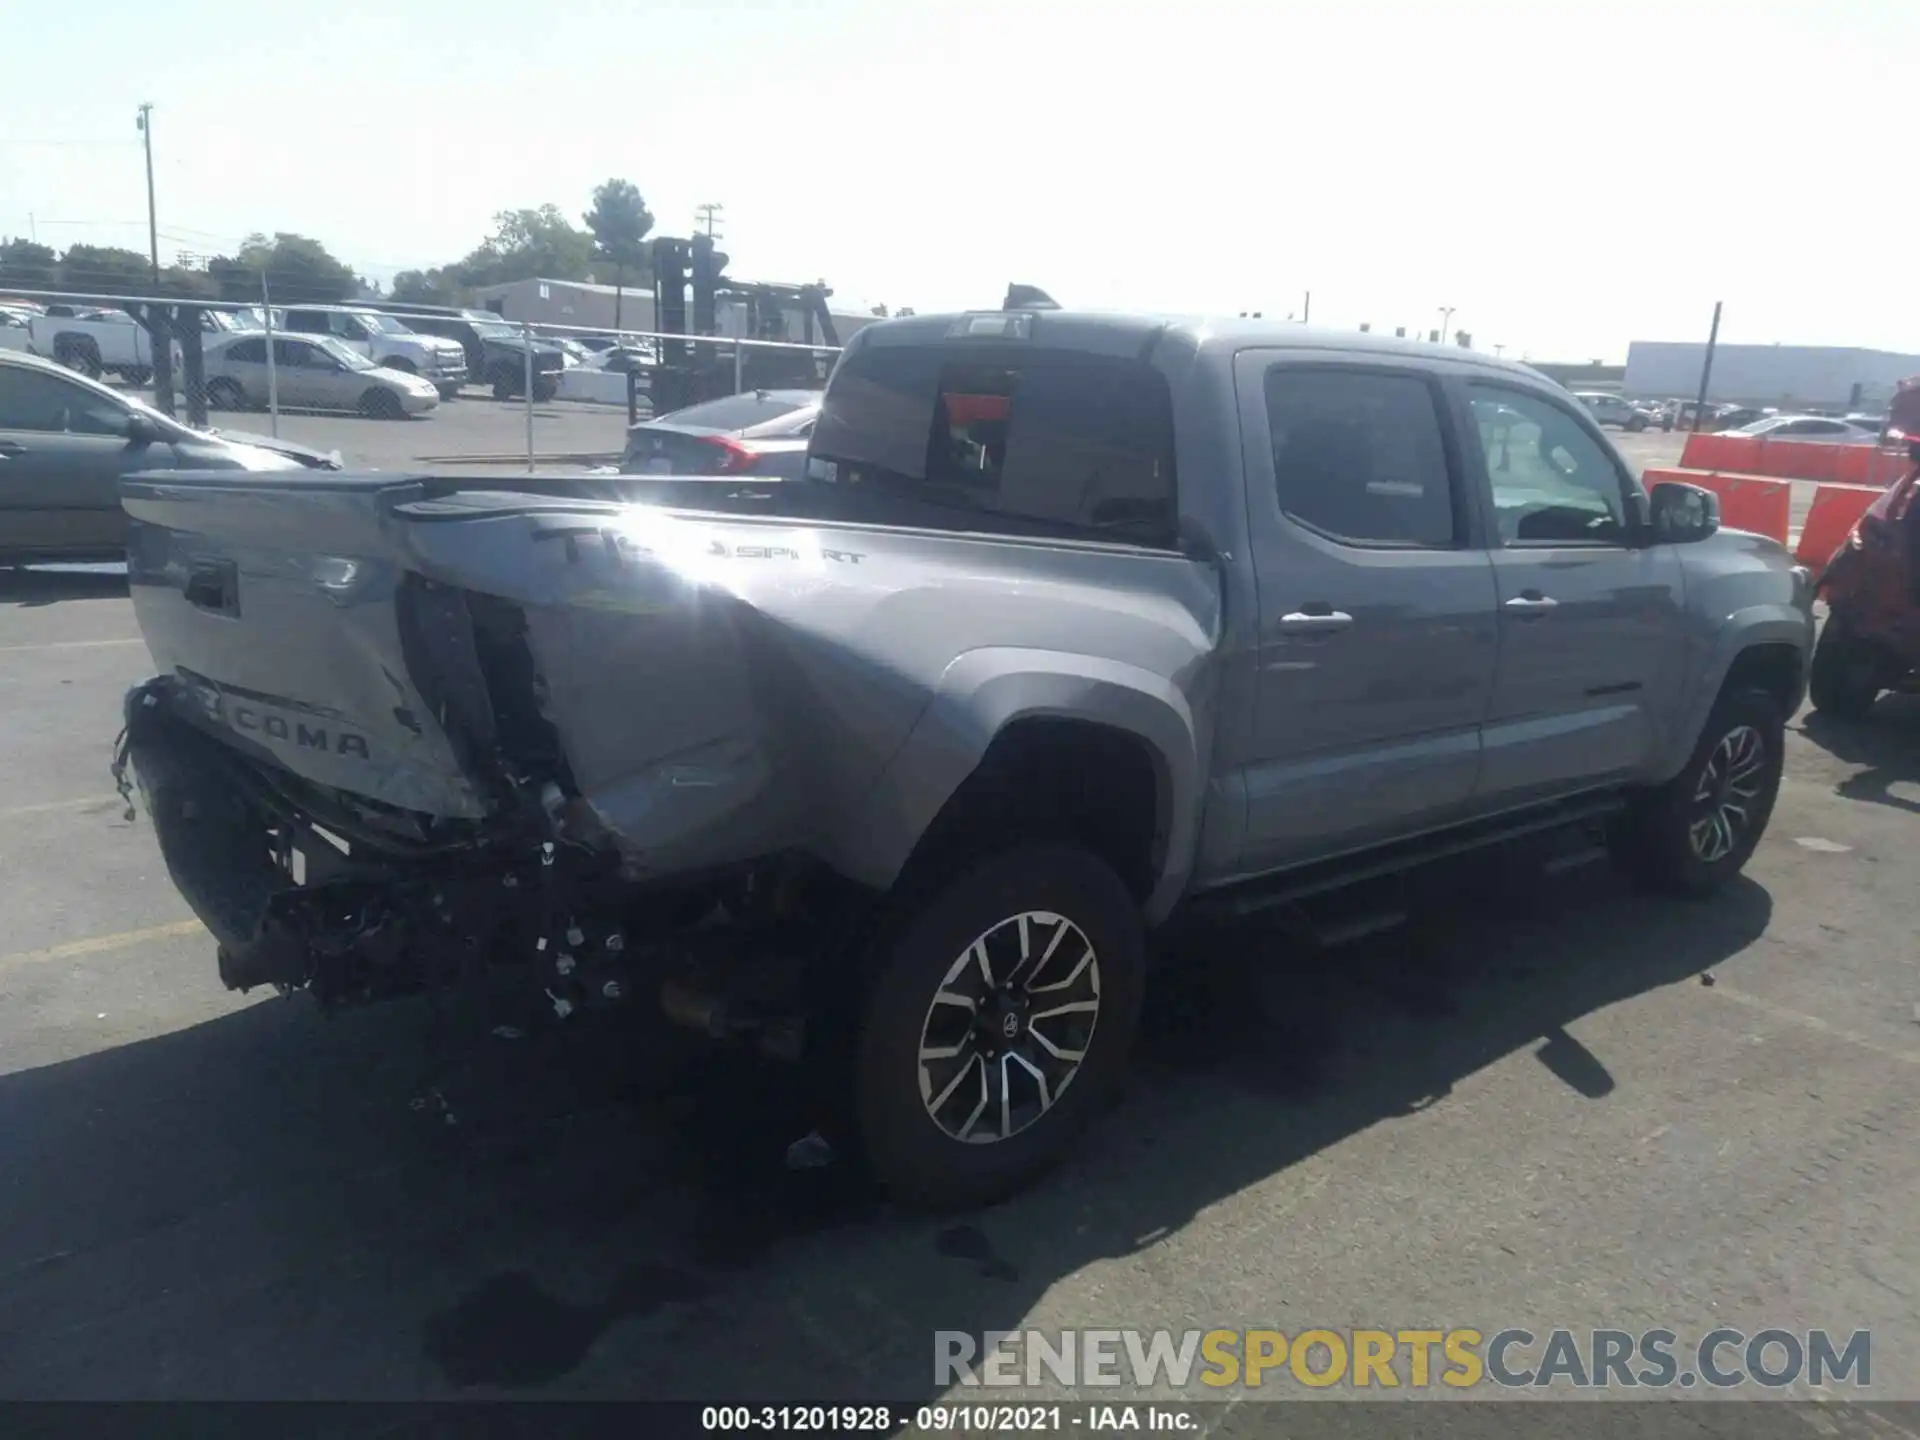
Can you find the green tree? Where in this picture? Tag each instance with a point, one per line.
(27, 265)
(528, 245)
(426, 287)
(619, 221)
(296, 269)
(105, 270)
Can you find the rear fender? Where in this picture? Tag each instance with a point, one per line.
(979, 695)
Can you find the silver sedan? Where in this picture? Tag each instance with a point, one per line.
(312, 372)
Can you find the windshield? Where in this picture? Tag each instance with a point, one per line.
(497, 329)
(345, 354)
(384, 324)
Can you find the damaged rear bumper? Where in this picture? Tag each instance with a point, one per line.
(297, 892)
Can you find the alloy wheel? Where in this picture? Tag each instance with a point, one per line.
(1727, 793)
(1009, 1027)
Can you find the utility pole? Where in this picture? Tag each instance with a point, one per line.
(1306, 310)
(707, 215)
(145, 122)
(1446, 319)
(1706, 368)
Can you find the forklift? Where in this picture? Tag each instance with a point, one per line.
(688, 292)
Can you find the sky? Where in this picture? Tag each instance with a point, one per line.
(1565, 177)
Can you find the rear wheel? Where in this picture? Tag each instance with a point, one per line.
(1693, 834)
(545, 389)
(1844, 679)
(1001, 1017)
(381, 404)
(83, 358)
(224, 394)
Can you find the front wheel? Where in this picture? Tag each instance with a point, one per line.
(1636, 425)
(379, 404)
(1000, 1020)
(1844, 679)
(1693, 834)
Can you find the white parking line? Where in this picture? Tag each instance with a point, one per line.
(69, 645)
(99, 944)
(47, 807)
(1814, 1022)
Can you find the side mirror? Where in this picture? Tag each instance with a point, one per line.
(141, 430)
(1682, 513)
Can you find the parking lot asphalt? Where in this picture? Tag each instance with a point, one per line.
(475, 427)
(1544, 1104)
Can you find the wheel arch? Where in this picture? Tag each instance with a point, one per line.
(1766, 648)
(1022, 727)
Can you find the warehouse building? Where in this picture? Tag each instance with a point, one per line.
(591, 307)
(1785, 377)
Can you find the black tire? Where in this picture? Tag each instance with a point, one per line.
(1844, 678)
(83, 358)
(1655, 841)
(225, 394)
(379, 404)
(405, 367)
(1636, 425)
(921, 1163)
(448, 391)
(544, 390)
(504, 386)
(138, 377)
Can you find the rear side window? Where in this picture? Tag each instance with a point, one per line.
(1359, 457)
(248, 352)
(1042, 440)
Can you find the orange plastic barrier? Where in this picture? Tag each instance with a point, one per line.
(1866, 465)
(1836, 509)
(1708, 451)
(1801, 460)
(1747, 502)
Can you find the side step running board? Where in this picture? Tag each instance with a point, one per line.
(1319, 878)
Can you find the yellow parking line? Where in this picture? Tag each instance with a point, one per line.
(68, 645)
(48, 806)
(100, 944)
(1814, 1022)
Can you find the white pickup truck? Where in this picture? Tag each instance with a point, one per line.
(96, 341)
(384, 339)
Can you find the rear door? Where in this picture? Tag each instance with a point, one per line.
(1377, 621)
(63, 448)
(1591, 644)
(244, 362)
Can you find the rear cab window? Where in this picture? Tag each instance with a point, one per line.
(1002, 438)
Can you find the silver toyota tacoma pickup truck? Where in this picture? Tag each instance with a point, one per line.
(1075, 622)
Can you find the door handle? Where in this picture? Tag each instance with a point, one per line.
(1311, 622)
(1531, 602)
(8, 449)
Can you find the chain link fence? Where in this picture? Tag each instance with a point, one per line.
(391, 386)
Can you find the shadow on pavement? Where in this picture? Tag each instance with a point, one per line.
(269, 1205)
(30, 586)
(1886, 744)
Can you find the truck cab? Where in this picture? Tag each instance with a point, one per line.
(386, 340)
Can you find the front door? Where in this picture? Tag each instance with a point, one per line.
(63, 448)
(307, 375)
(1591, 640)
(1377, 628)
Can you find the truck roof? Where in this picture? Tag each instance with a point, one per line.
(1131, 333)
